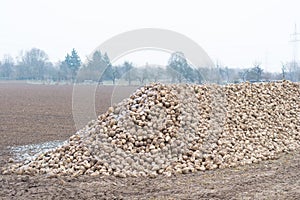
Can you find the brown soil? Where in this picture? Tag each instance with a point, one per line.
(38, 113)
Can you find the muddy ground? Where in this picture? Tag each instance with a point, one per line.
(31, 114)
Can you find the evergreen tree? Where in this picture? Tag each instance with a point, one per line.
(108, 72)
(73, 63)
(96, 67)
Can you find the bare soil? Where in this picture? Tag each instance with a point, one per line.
(32, 114)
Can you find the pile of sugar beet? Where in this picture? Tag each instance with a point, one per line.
(180, 128)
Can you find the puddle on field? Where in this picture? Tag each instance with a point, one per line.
(30, 151)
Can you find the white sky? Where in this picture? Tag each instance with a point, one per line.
(234, 32)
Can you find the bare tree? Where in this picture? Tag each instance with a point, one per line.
(179, 68)
(6, 68)
(283, 70)
(32, 64)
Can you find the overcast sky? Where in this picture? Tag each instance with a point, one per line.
(234, 32)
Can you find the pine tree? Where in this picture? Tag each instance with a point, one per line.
(108, 71)
(73, 63)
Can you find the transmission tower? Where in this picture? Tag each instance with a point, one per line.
(295, 41)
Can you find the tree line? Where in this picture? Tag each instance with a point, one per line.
(34, 64)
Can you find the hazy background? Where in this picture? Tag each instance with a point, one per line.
(234, 33)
